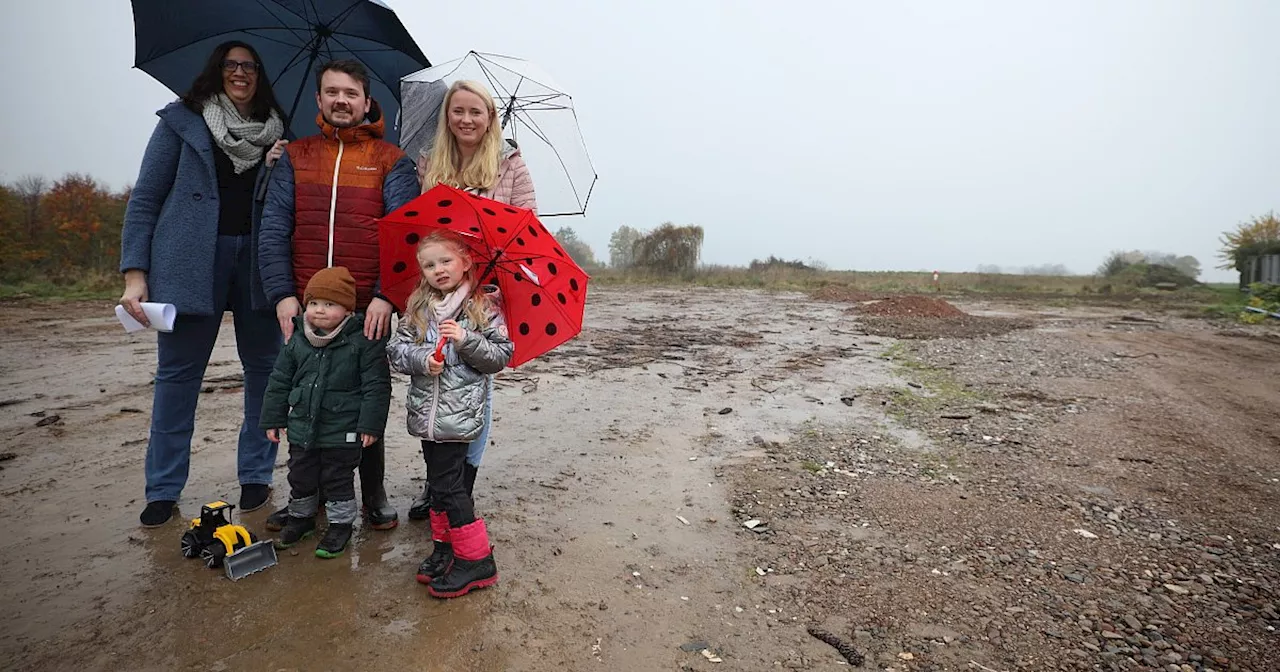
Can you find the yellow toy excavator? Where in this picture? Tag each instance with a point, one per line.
(219, 543)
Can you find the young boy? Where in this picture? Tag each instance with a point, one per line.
(330, 391)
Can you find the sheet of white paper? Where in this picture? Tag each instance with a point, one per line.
(161, 316)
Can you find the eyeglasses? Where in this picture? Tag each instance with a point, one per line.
(249, 67)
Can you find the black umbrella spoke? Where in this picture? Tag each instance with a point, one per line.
(315, 11)
(389, 47)
(265, 34)
(383, 46)
(534, 129)
(493, 81)
(302, 34)
(539, 100)
(537, 130)
(538, 97)
(516, 264)
(503, 263)
(293, 62)
(345, 14)
(268, 8)
(540, 106)
(483, 63)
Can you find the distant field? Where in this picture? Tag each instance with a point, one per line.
(92, 286)
(1045, 287)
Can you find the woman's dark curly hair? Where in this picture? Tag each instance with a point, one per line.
(209, 84)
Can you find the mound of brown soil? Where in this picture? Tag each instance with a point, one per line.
(843, 294)
(909, 306)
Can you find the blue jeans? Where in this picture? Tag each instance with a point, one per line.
(183, 356)
(475, 450)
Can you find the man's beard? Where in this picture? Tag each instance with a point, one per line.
(354, 119)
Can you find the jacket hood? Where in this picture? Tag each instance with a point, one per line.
(494, 294)
(509, 149)
(372, 129)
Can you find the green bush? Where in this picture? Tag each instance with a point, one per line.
(1268, 294)
(1264, 296)
(1150, 275)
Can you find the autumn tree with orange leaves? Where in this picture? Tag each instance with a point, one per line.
(62, 232)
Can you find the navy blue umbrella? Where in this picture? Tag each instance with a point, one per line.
(174, 38)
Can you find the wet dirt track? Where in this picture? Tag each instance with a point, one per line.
(621, 471)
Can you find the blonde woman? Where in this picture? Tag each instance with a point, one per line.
(470, 153)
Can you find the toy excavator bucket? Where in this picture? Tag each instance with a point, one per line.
(251, 559)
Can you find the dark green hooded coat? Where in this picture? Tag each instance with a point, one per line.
(327, 397)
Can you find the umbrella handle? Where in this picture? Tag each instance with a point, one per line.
(438, 355)
(261, 194)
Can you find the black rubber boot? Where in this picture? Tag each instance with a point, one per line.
(421, 508)
(277, 520)
(377, 508)
(295, 530)
(334, 541)
(465, 576)
(473, 565)
(437, 563)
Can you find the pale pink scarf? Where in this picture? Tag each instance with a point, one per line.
(450, 305)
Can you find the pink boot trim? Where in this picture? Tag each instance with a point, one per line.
(439, 526)
(471, 542)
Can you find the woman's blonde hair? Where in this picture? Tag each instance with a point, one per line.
(444, 163)
(423, 300)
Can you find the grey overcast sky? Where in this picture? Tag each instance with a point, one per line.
(869, 135)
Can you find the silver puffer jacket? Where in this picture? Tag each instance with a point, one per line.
(450, 407)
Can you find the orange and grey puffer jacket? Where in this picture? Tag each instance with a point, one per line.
(322, 204)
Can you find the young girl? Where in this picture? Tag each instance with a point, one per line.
(469, 153)
(451, 341)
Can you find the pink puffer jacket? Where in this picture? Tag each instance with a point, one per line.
(514, 185)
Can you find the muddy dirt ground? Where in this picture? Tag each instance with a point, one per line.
(1066, 488)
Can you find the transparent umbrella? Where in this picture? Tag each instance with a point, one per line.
(537, 116)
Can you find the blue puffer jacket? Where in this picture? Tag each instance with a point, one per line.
(171, 222)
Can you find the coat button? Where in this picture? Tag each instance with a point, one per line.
(197, 196)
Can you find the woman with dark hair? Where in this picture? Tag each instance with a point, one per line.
(189, 240)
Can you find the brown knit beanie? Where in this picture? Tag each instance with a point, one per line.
(332, 284)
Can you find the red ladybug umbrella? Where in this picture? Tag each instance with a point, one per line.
(543, 290)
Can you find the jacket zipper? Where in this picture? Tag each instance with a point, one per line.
(435, 405)
(333, 200)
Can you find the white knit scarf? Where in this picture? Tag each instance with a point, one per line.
(244, 141)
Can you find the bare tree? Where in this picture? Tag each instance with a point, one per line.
(31, 188)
